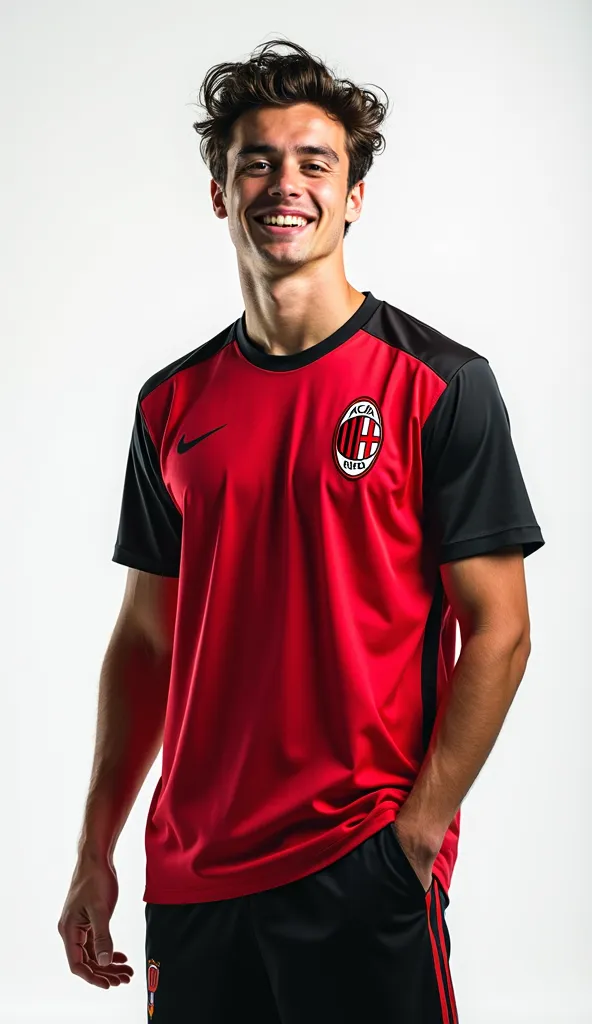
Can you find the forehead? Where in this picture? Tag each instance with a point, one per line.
(284, 127)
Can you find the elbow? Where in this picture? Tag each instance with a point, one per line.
(521, 655)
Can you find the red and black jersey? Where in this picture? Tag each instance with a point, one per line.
(306, 502)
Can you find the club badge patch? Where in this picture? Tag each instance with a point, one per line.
(153, 974)
(358, 438)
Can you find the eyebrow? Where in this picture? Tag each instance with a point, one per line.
(260, 147)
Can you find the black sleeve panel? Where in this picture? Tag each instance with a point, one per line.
(150, 525)
(475, 499)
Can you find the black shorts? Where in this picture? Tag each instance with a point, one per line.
(358, 941)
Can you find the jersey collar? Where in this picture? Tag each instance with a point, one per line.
(256, 355)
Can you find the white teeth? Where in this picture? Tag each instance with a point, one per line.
(286, 221)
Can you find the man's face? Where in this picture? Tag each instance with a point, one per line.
(267, 171)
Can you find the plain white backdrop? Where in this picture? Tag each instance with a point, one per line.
(478, 221)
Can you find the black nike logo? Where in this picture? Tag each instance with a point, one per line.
(184, 445)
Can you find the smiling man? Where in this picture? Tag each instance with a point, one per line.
(314, 498)
(286, 199)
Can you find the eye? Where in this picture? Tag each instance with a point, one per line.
(257, 164)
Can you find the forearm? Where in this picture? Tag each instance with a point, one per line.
(133, 691)
(484, 683)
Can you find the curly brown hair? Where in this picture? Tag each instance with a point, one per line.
(279, 80)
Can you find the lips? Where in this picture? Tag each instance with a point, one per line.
(278, 229)
(272, 213)
(283, 231)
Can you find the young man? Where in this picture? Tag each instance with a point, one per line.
(314, 498)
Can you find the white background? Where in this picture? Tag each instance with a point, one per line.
(478, 221)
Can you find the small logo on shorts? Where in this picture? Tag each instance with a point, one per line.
(153, 975)
(357, 439)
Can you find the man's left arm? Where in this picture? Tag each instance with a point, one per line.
(479, 527)
(488, 596)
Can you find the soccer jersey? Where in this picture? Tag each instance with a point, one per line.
(306, 503)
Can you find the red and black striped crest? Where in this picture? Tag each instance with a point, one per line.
(358, 438)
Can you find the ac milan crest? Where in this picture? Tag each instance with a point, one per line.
(358, 438)
(153, 974)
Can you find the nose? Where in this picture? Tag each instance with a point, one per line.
(284, 183)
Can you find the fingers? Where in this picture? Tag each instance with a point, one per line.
(116, 973)
(102, 941)
(84, 925)
(74, 938)
(78, 942)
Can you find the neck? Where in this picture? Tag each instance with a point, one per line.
(294, 312)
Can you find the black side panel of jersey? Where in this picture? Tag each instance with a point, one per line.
(150, 525)
(429, 663)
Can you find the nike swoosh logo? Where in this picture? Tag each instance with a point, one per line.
(184, 445)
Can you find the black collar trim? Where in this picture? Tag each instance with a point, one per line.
(256, 355)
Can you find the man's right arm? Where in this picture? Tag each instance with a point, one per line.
(133, 691)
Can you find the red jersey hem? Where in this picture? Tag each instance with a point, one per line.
(260, 878)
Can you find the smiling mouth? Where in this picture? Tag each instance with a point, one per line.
(284, 229)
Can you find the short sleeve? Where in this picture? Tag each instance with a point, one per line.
(475, 499)
(150, 525)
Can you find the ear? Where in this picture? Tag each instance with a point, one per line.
(355, 201)
(217, 194)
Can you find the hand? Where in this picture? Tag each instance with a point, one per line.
(418, 852)
(84, 925)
